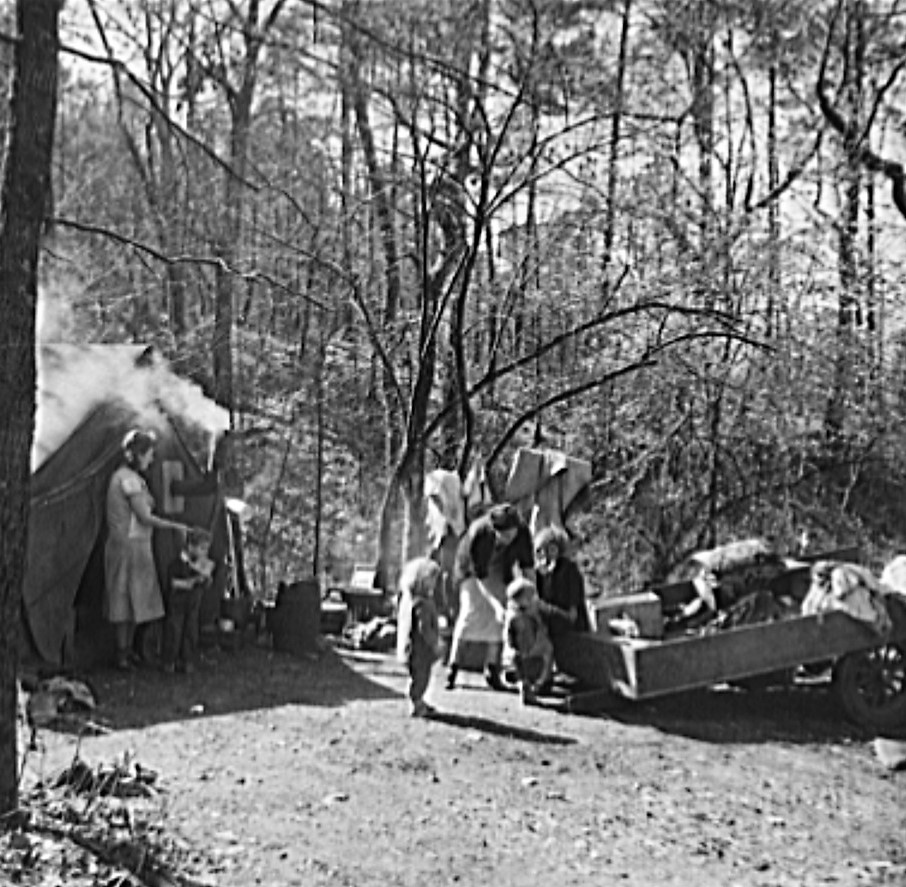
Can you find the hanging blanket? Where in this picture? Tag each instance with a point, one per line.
(544, 483)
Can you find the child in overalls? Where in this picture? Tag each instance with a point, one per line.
(528, 650)
(418, 636)
(188, 575)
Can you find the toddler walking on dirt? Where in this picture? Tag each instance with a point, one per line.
(528, 649)
(418, 636)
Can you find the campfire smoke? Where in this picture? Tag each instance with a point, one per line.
(74, 379)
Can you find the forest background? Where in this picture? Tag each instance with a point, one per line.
(665, 236)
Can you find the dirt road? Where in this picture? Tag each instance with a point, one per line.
(309, 772)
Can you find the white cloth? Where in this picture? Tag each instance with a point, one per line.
(891, 752)
(478, 620)
(445, 504)
(894, 575)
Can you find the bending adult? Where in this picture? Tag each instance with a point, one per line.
(133, 596)
(561, 586)
(495, 549)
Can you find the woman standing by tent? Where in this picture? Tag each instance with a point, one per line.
(133, 595)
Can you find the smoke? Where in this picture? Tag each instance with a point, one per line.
(74, 379)
(54, 315)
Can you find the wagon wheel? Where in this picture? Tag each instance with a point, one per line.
(871, 686)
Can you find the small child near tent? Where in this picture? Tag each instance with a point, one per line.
(418, 635)
(188, 574)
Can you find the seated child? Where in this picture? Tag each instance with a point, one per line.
(527, 646)
(188, 574)
(418, 635)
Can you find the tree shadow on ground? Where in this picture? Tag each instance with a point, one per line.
(496, 728)
(797, 714)
(250, 677)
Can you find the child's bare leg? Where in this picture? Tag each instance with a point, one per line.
(547, 671)
(529, 670)
(419, 678)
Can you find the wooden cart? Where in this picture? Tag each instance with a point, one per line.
(869, 671)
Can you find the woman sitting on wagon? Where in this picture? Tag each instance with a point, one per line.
(561, 586)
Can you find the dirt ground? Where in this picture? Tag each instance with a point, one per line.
(308, 771)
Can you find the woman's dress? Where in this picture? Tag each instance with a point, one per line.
(132, 587)
(484, 569)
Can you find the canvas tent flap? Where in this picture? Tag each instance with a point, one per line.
(78, 449)
(65, 517)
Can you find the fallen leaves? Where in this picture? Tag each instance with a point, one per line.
(98, 825)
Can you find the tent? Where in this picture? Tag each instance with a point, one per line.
(88, 397)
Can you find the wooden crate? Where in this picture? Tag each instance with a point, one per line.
(644, 609)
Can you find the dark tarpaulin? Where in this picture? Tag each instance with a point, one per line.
(64, 569)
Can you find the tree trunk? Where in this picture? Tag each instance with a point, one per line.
(613, 168)
(773, 310)
(849, 310)
(393, 409)
(23, 208)
(227, 249)
(873, 312)
(702, 66)
(227, 246)
(453, 220)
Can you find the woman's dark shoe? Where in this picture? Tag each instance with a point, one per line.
(492, 677)
(124, 662)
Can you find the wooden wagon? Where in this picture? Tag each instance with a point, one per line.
(868, 670)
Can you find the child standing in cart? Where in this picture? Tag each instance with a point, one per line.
(418, 635)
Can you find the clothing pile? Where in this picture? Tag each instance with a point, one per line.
(851, 589)
(735, 584)
(57, 702)
(377, 635)
(740, 584)
(725, 575)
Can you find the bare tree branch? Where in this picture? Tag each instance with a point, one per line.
(209, 261)
(849, 128)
